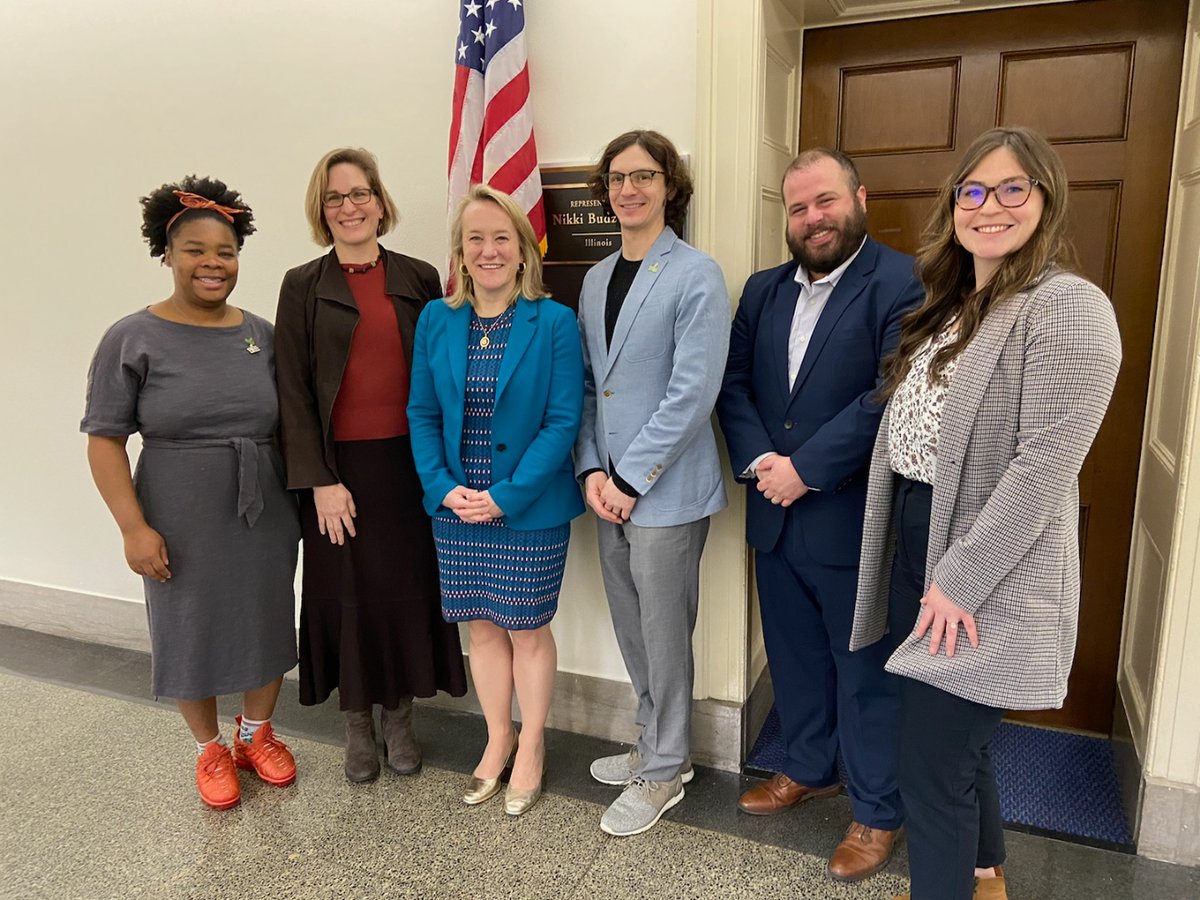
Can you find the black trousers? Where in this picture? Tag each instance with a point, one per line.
(947, 783)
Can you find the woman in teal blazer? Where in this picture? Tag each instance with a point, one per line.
(494, 409)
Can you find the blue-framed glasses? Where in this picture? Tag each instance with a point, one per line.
(1010, 193)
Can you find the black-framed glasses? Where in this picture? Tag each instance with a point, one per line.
(640, 178)
(358, 196)
(1010, 193)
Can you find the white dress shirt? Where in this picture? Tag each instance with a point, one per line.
(809, 305)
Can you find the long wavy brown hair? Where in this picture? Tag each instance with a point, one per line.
(948, 270)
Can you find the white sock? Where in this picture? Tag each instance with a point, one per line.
(201, 747)
(249, 727)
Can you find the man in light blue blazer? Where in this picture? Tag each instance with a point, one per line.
(654, 319)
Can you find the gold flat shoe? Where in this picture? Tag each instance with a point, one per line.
(518, 801)
(480, 790)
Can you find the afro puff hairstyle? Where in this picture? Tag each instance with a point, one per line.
(161, 204)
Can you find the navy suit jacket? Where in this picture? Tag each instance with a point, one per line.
(535, 416)
(827, 422)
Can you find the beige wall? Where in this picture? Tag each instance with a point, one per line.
(106, 99)
(1160, 655)
(103, 100)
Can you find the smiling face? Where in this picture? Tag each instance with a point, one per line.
(826, 220)
(638, 209)
(354, 228)
(203, 256)
(994, 232)
(491, 251)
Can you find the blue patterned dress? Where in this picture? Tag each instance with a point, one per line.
(488, 570)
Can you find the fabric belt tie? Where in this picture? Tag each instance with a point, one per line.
(250, 498)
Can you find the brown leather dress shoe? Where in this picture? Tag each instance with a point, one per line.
(985, 888)
(778, 793)
(991, 888)
(862, 852)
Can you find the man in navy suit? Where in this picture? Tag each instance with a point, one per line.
(798, 414)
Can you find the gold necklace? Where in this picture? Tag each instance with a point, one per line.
(485, 341)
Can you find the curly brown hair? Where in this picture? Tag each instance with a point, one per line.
(677, 178)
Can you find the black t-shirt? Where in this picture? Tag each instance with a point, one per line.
(618, 288)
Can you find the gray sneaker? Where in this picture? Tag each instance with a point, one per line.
(640, 805)
(620, 770)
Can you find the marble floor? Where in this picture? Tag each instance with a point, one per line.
(98, 801)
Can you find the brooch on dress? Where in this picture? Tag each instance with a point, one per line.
(252, 347)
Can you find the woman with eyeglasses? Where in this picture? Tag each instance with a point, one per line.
(995, 394)
(370, 622)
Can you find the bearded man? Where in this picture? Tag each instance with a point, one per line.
(800, 419)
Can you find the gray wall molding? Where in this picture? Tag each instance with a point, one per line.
(1169, 827)
(722, 732)
(73, 614)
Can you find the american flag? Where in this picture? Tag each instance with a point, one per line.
(491, 126)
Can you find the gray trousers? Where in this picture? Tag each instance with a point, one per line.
(652, 577)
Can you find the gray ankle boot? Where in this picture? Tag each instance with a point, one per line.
(362, 757)
(403, 751)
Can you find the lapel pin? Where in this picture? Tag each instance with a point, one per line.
(654, 267)
(252, 347)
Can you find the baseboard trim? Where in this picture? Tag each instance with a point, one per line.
(600, 707)
(75, 615)
(583, 704)
(1169, 826)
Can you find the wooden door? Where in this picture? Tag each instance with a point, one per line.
(1099, 78)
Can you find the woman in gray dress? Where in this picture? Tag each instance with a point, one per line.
(206, 520)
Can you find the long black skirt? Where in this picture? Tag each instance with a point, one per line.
(370, 616)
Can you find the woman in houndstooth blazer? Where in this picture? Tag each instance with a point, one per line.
(995, 394)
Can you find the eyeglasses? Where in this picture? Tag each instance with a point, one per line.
(641, 178)
(1010, 193)
(358, 196)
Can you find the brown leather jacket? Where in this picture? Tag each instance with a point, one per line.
(314, 323)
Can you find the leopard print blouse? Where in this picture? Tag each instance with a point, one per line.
(915, 417)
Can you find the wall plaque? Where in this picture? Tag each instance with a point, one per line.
(578, 230)
(579, 233)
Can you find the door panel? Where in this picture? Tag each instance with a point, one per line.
(1101, 79)
(1068, 94)
(877, 114)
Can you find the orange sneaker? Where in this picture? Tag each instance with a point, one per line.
(216, 778)
(265, 754)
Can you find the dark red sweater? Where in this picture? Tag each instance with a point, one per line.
(372, 400)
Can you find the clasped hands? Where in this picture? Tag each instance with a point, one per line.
(778, 480)
(472, 506)
(607, 500)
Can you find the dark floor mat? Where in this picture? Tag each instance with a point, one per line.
(1051, 782)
